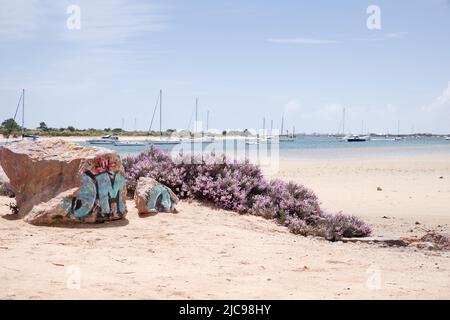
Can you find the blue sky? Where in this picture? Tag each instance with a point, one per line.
(245, 60)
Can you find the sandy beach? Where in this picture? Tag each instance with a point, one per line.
(204, 253)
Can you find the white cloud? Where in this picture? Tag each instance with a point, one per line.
(301, 41)
(441, 102)
(382, 36)
(397, 35)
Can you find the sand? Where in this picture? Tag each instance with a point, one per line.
(204, 253)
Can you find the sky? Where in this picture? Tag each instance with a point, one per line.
(244, 60)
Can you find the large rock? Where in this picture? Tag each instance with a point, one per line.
(151, 196)
(56, 182)
(5, 186)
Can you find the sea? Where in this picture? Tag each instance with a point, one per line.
(309, 148)
(305, 148)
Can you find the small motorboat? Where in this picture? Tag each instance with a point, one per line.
(447, 138)
(163, 142)
(129, 143)
(356, 138)
(286, 139)
(203, 140)
(257, 141)
(109, 139)
(30, 137)
(382, 139)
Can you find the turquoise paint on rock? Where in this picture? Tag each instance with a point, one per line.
(161, 195)
(87, 196)
(107, 189)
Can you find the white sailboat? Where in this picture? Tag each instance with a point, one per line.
(353, 137)
(161, 141)
(202, 139)
(260, 139)
(286, 137)
(24, 136)
(398, 137)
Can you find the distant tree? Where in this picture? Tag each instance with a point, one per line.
(43, 126)
(224, 132)
(71, 129)
(117, 130)
(9, 126)
(107, 129)
(61, 129)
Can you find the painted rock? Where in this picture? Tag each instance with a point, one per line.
(60, 182)
(151, 196)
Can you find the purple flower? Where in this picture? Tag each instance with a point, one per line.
(240, 186)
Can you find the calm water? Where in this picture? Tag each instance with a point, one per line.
(314, 148)
(311, 148)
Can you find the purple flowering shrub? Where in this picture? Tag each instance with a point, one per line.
(228, 185)
(334, 227)
(240, 186)
(281, 200)
(159, 166)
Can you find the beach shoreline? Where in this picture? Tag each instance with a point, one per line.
(205, 253)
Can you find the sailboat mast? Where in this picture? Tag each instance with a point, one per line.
(282, 124)
(23, 113)
(343, 121)
(196, 115)
(207, 121)
(160, 113)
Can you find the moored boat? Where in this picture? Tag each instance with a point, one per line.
(129, 143)
(356, 138)
(109, 139)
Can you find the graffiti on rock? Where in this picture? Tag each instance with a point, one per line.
(101, 193)
(159, 199)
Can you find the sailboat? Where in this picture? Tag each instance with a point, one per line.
(24, 136)
(286, 137)
(353, 137)
(202, 139)
(398, 137)
(161, 141)
(260, 139)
